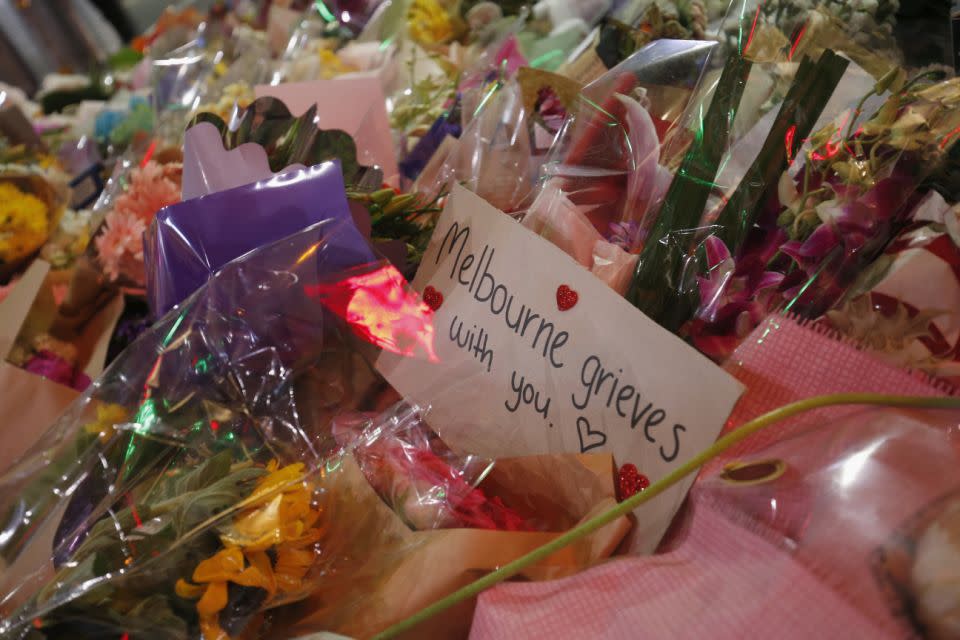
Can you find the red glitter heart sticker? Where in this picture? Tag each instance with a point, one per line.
(630, 482)
(567, 298)
(432, 298)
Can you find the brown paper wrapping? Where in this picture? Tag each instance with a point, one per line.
(30, 404)
(17, 306)
(585, 68)
(17, 128)
(86, 319)
(561, 490)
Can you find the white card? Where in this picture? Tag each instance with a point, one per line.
(536, 355)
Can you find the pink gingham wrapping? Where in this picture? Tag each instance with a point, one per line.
(783, 361)
(721, 579)
(722, 583)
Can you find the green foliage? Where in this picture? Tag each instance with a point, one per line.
(154, 540)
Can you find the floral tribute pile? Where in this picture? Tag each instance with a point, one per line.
(211, 244)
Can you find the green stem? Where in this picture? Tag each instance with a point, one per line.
(723, 444)
(856, 114)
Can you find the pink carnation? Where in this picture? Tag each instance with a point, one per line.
(120, 244)
(152, 187)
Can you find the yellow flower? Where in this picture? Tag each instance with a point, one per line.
(278, 516)
(24, 224)
(108, 416)
(47, 161)
(237, 94)
(429, 23)
(331, 65)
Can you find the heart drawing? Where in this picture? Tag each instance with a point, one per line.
(589, 439)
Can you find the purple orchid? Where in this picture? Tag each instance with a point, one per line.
(735, 295)
(625, 235)
(855, 225)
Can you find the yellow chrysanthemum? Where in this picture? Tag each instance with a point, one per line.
(429, 23)
(279, 517)
(24, 224)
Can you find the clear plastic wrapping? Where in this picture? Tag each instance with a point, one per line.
(493, 155)
(712, 184)
(175, 461)
(886, 479)
(805, 239)
(836, 528)
(607, 171)
(207, 74)
(242, 469)
(420, 478)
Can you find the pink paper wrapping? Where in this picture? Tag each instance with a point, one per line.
(355, 105)
(742, 565)
(209, 168)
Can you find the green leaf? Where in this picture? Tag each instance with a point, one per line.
(213, 469)
(125, 58)
(41, 496)
(661, 268)
(67, 577)
(394, 18)
(199, 506)
(189, 499)
(805, 101)
(106, 534)
(151, 618)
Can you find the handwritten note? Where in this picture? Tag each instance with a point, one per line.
(538, 356)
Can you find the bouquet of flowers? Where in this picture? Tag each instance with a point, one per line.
(203, 486)
(119, 246)
(177, 483)
(828, 223)
(32, 201)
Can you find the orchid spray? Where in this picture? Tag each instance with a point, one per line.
(830, 218)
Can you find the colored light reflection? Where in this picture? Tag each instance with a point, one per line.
(791, 134)
(753, 30)
(796, 42)
(149, 154)
(836, 142)
(382, 309)
(949, 138)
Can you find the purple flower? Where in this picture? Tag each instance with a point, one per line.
(733, 287)
(53, 367)
(735, 295)
(625, 235)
